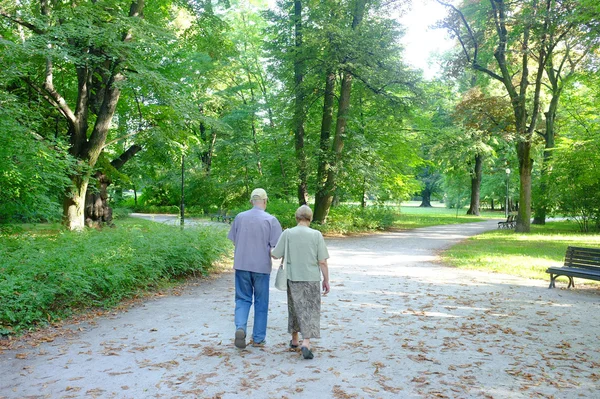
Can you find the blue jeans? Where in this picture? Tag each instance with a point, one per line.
(249, 286)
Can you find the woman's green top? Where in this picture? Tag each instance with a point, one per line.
(305, 248)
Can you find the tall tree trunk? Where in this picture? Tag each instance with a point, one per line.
(327, 195)
(322, 200)
(523, 224)
(476, 186)
(299, 105)
(338, 146)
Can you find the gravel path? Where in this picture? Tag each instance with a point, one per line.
(397, 324)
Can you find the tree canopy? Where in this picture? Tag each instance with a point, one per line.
(313, 100)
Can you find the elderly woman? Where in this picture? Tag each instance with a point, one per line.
(305, 256)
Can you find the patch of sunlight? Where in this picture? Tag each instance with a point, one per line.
(561, 305)
(530, 262)
(391, 293)
(591, 239)
(434, 314)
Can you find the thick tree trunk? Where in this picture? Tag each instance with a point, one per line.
(476, 186)
(74, 204)
(425, 198)
(97, 210)
(523, 224)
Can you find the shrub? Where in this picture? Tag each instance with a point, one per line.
(346, 219)
(44, 277)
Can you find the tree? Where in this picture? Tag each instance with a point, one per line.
(572, 38)
(325, 194)
(95, 41)
(484, 120)
(516, 35)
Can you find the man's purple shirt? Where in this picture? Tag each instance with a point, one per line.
(254, 233)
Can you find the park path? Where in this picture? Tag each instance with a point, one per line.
(397, 324)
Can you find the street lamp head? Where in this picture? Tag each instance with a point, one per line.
(508, 171)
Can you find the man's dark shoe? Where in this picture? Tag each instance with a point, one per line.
(240, 338)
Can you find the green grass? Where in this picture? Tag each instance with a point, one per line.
(412, 216)
(47, 273)
(524, 255)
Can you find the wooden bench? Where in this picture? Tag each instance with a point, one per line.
(579, 262)
(218, 216)
(223, 216)
(509, 223)
(228, 218)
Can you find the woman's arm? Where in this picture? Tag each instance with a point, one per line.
(278, 251)
(325, 271)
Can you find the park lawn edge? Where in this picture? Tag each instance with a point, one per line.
(518, 254)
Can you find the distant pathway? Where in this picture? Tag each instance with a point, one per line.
(396, 325)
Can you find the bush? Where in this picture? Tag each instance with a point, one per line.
(342, 219)
(45, 276)
(351, 219)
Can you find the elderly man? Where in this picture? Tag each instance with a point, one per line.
(254, 233)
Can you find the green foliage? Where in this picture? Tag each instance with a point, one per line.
(573, 174)
(45, 276)
(577, 180)
(33, 171)
(347, 219)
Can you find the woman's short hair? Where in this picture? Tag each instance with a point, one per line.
(304, 213)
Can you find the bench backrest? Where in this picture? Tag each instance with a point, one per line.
(587, 258)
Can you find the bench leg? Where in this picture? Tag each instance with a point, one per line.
(552, 278)
(571, 282)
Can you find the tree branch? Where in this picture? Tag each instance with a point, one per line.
(19, 21)
(472, 60)
(126, 156)
(120, 138)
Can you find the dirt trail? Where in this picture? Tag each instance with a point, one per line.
(397, 324)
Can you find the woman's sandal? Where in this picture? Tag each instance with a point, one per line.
(292, 346)
(306, 353)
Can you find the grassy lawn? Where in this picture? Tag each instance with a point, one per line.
(412, 216)
(525, 255)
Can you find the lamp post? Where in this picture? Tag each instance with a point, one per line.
(507, 178)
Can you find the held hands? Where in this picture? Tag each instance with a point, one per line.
(326, 287)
